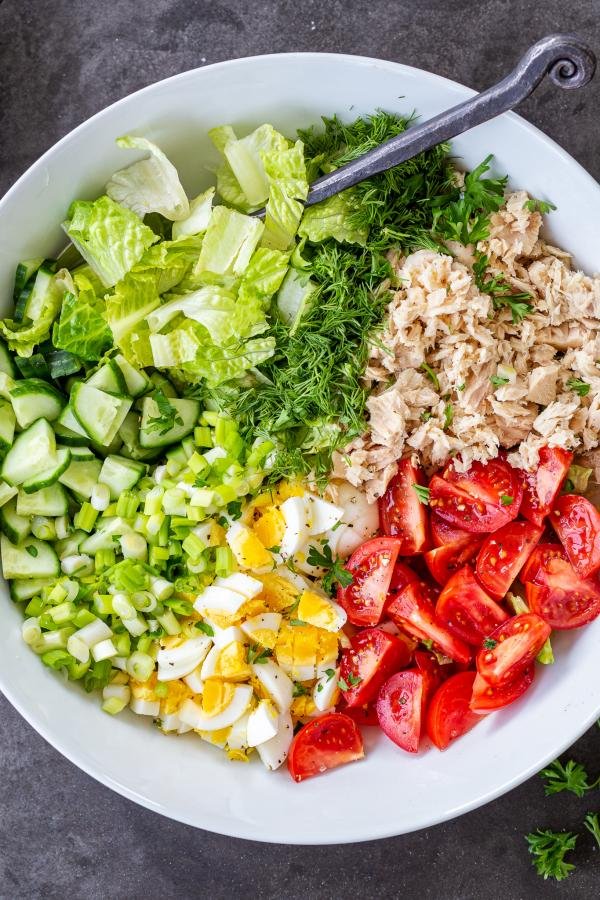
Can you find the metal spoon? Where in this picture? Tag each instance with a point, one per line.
(565, 58)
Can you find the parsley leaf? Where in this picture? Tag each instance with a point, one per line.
(498, 380)
(336, 573)
(542, 206)
(593, 826)
(579, 387)
(298, 622)
(422, 493)
(258, 655)
(352, 681)
(448, 415)
(167, 416)
(548, 849)
(299, 690)
(500, 290)
(506, 499)
(572, 777)
(205, 627)
(234, 509)
(431, 375)
(489, 643)
(466, 219)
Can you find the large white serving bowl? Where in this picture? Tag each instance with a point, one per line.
(390, 792)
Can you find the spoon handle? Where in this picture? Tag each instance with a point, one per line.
(566, 58)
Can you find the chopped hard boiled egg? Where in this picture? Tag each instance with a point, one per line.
(297, 524)
(304, 651)
(247, 548)
(228, 662)
(179, 661)
(326, 691)
(193, 714)
(273, 752)
(217, 696)
(262, 628)
(262, 723)
(316, 609)
(275, 683)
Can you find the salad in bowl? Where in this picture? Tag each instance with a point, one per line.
(274, 482)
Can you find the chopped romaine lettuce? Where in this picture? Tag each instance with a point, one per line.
(288, 186)
(170, 261)
(150, 185)
(212, 306)
(264, 275)
(82, 328)
(229, 243)
(330, 219)
(126, 310)
(111, 238)
(199, 217)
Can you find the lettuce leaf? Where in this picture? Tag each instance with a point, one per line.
(150, 185)
(199, 217)
(264, 275)
(170, 261)
(126, 310)
(288, 186)
(229, 243)
(241, 179)
(110, 238)
(82, 328)
(23, 337)
(330, 219)
(212, 306)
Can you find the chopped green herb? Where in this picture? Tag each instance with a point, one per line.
(258, 655)
(431, 375)
(506, 499)
(549, 849)
(299, 690)
(274, 549)
(352, 681)
(489, 643)
(293, 607)
(593, 826)
(498, 380)
(167, 416)
(298, 622)
(425, 415)
(579, 387)
(234, 509)
(542, 206)
(336, 573)
(461, 387)
(500, 290)
(571, 777)
(205, 627)
(448, 415)
(422, 493)
(330, 673)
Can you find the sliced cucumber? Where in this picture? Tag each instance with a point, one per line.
(49, 501)
(68, 420)
(6, 364)
(130, 433)
(30, 453)
(34, 399)
(79, 454)
(35, 559)
(81, 477)
(150, 436)
(103, 536)
(70, 545)
(163, 384)
(50, 475)
(7, 426)
(26, 588)
(13, 525)
(99, 413)
(136, 382)
(120, 474)
(105, 449)
(25, 271)
(70, 438)
(7, 492)
(7, 383)
(109, 378)
(44, 287)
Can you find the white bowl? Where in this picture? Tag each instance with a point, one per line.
(390, 792)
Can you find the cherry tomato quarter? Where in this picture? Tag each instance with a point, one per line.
(325, 743)
(487, 698)
(413, 611)
(400, 709)
(512, 648)
(444, 561)
(371, 565)
(449, 714)
(401, 513)
(542, 486)
(373, 657)
(577, 523)
(503, 555)
(466, 610)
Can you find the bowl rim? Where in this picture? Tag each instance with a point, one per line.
(55, 739)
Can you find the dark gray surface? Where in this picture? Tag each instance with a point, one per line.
(61, 833)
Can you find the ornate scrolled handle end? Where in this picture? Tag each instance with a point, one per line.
(570, 61)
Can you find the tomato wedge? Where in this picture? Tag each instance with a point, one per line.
(426, 662)
(402, 576)
(363, 715)
(413, 611)
(401, 513)
(329, 741)
(535, 567)
(466, 610)
(443, 533)
(565, 600)
(503, 555)
(487, 697)
(464, 511)
(577, 523)
(444, 561)
(543, 485)
(512, 648)
(449, 715)
(373, 657)
(372, 565)
(400, 708)
(493, 482)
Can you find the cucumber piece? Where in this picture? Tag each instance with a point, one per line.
(34, 399)
(109, 378)
(82, 476)
(7, 426)
(26, 588)
(130, 433)
(30, 453)
(67, 420)
(50, 475)
(99, 413)
(7, 492)
(187, 412)
(163, 384)
(113, 447)
(136, 382)
(102, 537)
(49, 501)
(44, 287)
(7, 383)
(13, 525)
(25, 271)
(6, 364)
(69, 438)
(35, 559)
(79, 454)
(120, 474)
(71, 544)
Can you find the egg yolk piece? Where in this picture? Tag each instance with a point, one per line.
(217, 696)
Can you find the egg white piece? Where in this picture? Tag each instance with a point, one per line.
(297, 517)
(174, 663)
(262, 723)
(219, 599)
(273, 752)
(170, 722)
(360, 520)
(238, 736)
(194, 681)
(241, 583)
(323, 515)
(210, 663)
(224, 636)
(193, 715)
(297, 580)
(276, 683)
(263, 622)
(144, 707)
(326, 691)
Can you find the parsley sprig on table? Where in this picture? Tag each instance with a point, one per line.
(570, 777)
(549, 849)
